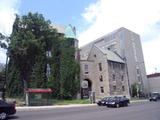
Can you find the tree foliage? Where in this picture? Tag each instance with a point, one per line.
(69, 70)
(32, 37)
(135, 90)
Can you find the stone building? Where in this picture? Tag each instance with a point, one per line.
(105, 73)
(125, 47)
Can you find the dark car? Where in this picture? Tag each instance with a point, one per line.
(6, 109)
(118, 102)
(103, 101)
(154, 96)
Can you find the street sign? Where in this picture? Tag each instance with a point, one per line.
(84, 84)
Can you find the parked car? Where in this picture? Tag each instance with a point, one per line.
(103, 101)
(6, 109)
(118, 102)
(154, 96)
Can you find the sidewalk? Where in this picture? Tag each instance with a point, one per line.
(52, 107)
(136, 101)
(27, 108)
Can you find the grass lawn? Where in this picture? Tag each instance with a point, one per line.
(67, 102)
(21, 102)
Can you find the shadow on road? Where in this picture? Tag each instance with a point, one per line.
(12, 117)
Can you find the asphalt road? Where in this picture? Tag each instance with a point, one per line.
(138, 111)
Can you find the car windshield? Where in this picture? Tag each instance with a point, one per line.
(111, 99)
(154, 94)
(115, 98)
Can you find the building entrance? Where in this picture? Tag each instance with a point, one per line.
(86, 88)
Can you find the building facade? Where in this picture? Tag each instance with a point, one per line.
(154, 82)
(126, 45)
(105, 74)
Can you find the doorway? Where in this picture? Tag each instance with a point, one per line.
(86, 88)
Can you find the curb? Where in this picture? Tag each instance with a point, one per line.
(27, 108)
(136, 101)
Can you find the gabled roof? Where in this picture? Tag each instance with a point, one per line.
(85, 51)
(110, 55)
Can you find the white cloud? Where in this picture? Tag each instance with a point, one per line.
(2, 56)
(140, 16)
(152, 58)
(8, 9)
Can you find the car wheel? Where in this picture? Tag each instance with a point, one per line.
(3, 116)
(117, 105)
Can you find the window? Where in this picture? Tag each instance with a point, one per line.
(122, 78)
(139, 78)
(113, 65)
(102, 90)
(100, 66)
(72, 43)
(95, 55)
(86, 72)
(121, 66)
(114, 88)
(86, 69)
(123, 88)
(110, 64)
(138, 71)
(48, 54)
(101, 78)
(113, 77)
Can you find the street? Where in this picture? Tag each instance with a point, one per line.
(135, 111)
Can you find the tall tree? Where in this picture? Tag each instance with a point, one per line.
(27, 50)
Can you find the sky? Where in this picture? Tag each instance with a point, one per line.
(94, 18)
